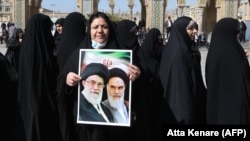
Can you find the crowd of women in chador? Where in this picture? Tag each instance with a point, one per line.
(40, 93)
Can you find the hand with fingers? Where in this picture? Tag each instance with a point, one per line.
(72, 79)
(134, 72)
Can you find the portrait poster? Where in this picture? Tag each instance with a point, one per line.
(110, 102)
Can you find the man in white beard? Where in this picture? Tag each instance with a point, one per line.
(94, 78)
(116, 86)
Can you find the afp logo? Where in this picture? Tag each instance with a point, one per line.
(234, 133)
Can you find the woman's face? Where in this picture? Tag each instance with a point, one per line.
(191, 33)
(99, 31)
(20, 34)
(59, 28)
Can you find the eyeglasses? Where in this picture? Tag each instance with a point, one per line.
(92, 83)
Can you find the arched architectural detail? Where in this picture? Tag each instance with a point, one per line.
(208, 16)
(202, 4)
(143, 9)
(153, 11)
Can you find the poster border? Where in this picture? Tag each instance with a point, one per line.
(78, 95)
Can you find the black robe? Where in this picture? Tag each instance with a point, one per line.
(181, 77)
(227, 76)
(149, 61)
(87, 111)
(74, 31)
(37, 81)
(8, 90)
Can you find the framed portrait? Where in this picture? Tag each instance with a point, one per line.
(104, 92)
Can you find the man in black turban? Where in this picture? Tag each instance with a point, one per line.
(116, 89)
(94, 78)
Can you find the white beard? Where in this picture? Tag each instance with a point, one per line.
(92, 98)
(116, 103)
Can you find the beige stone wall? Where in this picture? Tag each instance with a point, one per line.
(79, 5)
(244, 11)
(148, 6)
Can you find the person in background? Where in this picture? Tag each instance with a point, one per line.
(202, 39)
(12, 55)
(59, 25)
(100, 35)
(150, 52)
(9, 24)
(135, 20)
(149, 60)
(8, 90)
(180, 74)
(142, 25)
(58, 32)
(94, 78)
(11, 28)
(5, 34)
(37, 81)
(141, 35)
(127, 35)
(168, 26)
(117, 84)
(13, 45)
(227, 76)
(74, 32)
(243, 31)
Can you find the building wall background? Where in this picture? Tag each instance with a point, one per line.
(205, 12)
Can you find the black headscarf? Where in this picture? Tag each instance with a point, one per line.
(125, 37)
(60, 21)
(57, 36)
(183, 86)
(74, 32)
(37, 81)
(150, 52)
(227, 76)
(111, 43)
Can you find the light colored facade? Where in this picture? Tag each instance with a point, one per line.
(205, 12)
(5, 10)
(244, 10)
(87, 8)
(208, 12)
(54, 15)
